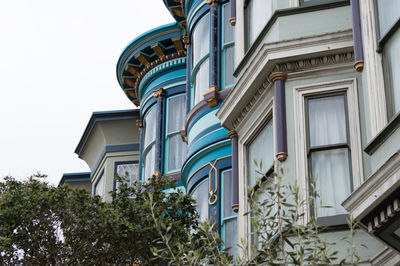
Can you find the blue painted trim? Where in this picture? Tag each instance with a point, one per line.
(204, 132)
(205, 145)
(114, 148)
(104, 116)
(75, 177)
(188, 79)
(202, 112)
(115, 170)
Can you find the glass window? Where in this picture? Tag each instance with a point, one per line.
(176, 148)
(99, 188)
(149, 143)
(228, 49)
(130, 171)
(229, 217)
(200, 194)
(389, 34)
(328, 152)
(200, 55)
(257, 14)
(262, 150)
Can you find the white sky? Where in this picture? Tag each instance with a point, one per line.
(57, 66)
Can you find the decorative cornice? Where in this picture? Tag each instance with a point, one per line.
(293, 67)
(158, 93)
(211, 96)
(384, 216)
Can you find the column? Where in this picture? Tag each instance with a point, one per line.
(358, 45)
(159, 94)
(235, 174)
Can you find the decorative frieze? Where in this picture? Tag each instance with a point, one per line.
(384, 216)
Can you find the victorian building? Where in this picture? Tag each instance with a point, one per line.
(308, 84)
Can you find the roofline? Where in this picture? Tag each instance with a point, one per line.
(104, 116)
(75, 177)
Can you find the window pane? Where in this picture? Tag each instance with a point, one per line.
(261, 149)
(177, 152)
(130, 171)
(228, 28)
(227, 200)
(201, 39)
(257, 14)
(389, 13)
(231, 236)
(200, 194)
(229, 66)
(150, 127)
(331, 170)
(149, 163)
(100, 186)
(327, 120)
(176, 113)
(392, 56)
(202, 81)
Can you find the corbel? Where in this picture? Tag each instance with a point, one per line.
(183, 134)
(131, 93)
(144, 59)
(133, 70)
(139, 124)
(178, 44)
(211, 96)
(158, 93)
(158, 49)
(130, 82)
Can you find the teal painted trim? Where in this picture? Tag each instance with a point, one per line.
(75, 177)
(145, 82)
(208, 154)
(202, 123)
(141, 38)
(166, 85)
(209, 137)
(192, 13)
(114, 148)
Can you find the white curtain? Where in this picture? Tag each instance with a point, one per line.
(150, 124)
(100, 186)
(331, 171)
(229, 33)
(177, 152)
(330, 168)
(176, 113)
(201, 194)
(202, 81)
(201, 39)
(262, 150)
(149, 163)
(132, 169)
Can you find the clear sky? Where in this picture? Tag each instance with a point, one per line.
(57, 66)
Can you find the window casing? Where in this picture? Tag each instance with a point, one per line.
(229, 224)
(261, 149)
(200, 59)
(315, 2)
(257, 14)
(389, 44)
(228, 49)
(328, 151)
(129, 171)
(175, 151)
(200, 194)
(100, 186)
(149, 144)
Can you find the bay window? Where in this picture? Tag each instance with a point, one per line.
(328, 151)
(229, 224)
(261, 149)
(200, 194)
(257, 14)
(389, 44)
(128, 171)
(149, 144)
(175, 147)
(228, 49)
(200, 54)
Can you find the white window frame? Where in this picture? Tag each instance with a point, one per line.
(349, 86)
(263, 110)
(150, 145)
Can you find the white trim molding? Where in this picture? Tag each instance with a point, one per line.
(349, 86)
(373, 68)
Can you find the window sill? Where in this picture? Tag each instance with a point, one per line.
(383, 135)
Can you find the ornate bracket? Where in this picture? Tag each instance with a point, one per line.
(211, 96)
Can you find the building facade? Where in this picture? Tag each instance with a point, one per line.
(306, 84)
